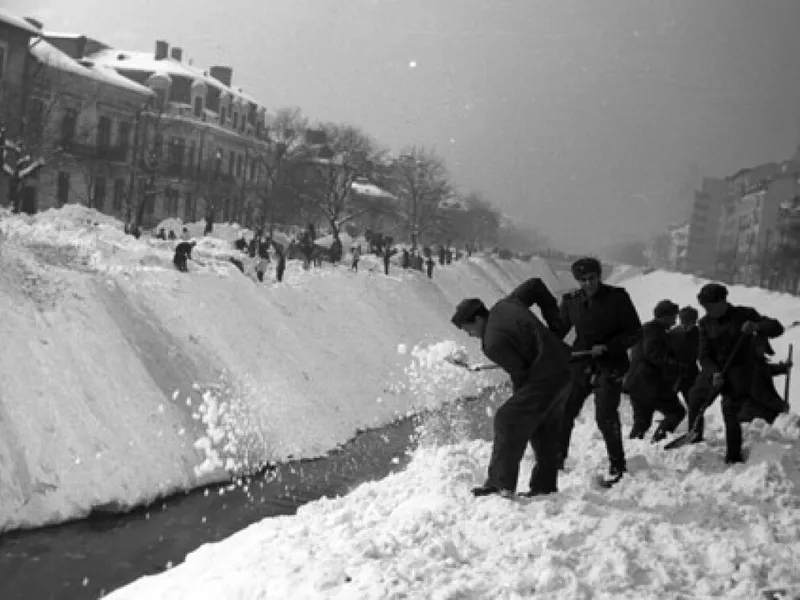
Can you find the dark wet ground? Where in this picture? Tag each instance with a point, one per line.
(92, 557)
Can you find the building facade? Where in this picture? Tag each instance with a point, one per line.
(701, 243)
(79, 119)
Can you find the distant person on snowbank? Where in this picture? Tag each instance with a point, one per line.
(183, 252)
(281, 261)
(538, 363)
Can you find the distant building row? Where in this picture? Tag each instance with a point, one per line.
(742, 227)
(106, 120)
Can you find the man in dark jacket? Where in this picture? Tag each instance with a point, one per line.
(653, 375)
(606, 326)
(538, 363)
(183, 252)
(720, 329)
(685, 342)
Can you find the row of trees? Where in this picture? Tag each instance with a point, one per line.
(297, 173)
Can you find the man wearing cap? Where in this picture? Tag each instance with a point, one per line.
(653, 375)
(606, 326)
(685, 341)
(720, 330)
(538, 363)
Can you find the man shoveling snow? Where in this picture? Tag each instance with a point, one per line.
(538, 363)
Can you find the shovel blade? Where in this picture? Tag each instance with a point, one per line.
(683, 440)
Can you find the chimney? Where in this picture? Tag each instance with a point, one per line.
(162, 48)
(80, 46)
(222, 74)
(35, 22)
(176, 53)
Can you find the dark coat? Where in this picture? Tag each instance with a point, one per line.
(534, 292)
(609, 319)
(685, 345)
(518, 342)
(718, 338)
(654, 366)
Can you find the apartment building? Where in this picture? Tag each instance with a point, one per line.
(701, 244)
(203, 142)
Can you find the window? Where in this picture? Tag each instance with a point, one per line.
(231, 162)
(158, 142)
(235, 120)
(103, 132)
(176, 152)
(190, 156)
(222, 116)
(100, 192)
(161, 99)
(252, 170)
(63, 188)
(124, 137)
(119, 194)
(198, 106)
(239, 165)
(68, 125)
(35, 118)
(3, 52)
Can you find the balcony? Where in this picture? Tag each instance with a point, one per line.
(106, 153)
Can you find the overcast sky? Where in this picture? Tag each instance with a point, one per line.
(586, 119)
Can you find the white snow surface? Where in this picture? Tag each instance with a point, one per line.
(680, 525)
(122, 380)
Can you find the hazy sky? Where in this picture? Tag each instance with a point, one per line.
(586, 119)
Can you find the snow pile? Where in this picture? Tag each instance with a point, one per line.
(129, 380)
(679, 526)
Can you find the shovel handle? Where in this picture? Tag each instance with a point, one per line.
(788, 375)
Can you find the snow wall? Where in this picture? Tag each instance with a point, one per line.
(122, 380)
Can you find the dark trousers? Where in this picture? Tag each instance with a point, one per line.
(607, 387)
(534, 414)
(180, 263)
(666, 403)
(735, 391)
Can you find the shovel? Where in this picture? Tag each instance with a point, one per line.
(692, 435)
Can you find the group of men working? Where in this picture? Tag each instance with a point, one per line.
(613, 352)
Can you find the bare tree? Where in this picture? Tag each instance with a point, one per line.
(274, 161)
(420, 181)
(471, 220)
(323, 180)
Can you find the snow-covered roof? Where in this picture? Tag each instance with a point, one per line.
(18, 22)
(370, 189)
(55, 58)
(146, 61)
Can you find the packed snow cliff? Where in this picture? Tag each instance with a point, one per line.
(681, 524)
(122, 379)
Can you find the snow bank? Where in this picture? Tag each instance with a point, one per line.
(681, 526)
(123, 379)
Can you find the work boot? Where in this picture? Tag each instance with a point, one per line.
(488, 489)
(535, 493)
